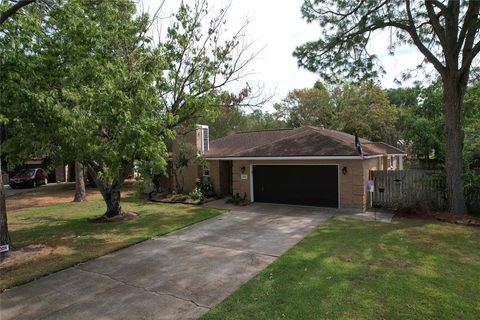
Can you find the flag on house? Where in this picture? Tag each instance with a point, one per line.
(358, 146)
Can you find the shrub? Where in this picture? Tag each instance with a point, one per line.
(139, 188)
(196, 194)
(237, 200)
(206, 187)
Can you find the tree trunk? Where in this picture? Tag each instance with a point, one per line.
(80, 193)
(110, 191)
(453, 92)
(4, 235)
(112, 200)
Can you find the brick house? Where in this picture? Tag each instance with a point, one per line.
(302, 166)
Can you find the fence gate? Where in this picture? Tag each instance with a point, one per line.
(408, 188)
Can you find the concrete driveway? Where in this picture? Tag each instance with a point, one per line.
(178, 276)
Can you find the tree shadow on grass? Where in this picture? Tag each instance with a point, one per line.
(82, 240)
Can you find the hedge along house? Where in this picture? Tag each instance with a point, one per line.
(302, 166)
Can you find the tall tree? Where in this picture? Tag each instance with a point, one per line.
(93, 99)
(310, 106)
(80, 192)
(7, 10)
(445, 32)
(404, 97)
(199, 60)
(109, 97)
(365, 110)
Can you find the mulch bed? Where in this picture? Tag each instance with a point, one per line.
(177, 198)
(172, 198)
(122, 217)
(463, 219)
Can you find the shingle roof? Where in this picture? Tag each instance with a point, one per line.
(383, 148)
(303, 141)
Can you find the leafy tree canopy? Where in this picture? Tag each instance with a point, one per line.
(312, 106)
(88, 84)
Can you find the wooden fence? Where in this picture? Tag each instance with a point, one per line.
(404, 188)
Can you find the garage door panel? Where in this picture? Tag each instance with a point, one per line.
(303, 185)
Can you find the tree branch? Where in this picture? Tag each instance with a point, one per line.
(416, 40)
(469, 27)
(468, 59)
(14, 9)
(439, 5)
(439, 30)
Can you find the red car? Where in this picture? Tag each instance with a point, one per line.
(29, 178)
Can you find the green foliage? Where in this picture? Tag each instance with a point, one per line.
(418, 133)
(421, 120)
(88, 84)
(238, 200)
(362, 109)
(259, 119)
(205, 185)
(186, 155)
(196, 194)
(198, 61)
(307, 107)
(233, 119)
(471, 151)
(404, 97)
(366, 110)
(93, 97)
(421, 124)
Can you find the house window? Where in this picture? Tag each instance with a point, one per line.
(205, 139)
(389, 162)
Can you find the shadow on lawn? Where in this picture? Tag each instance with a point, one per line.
(61, 236)
(149, 220)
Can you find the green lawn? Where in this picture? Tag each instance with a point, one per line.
(350, 269)
(66, 238)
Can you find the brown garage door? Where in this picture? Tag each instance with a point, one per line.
(310, 185)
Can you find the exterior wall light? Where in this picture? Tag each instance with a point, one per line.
(344, 170)
(242, 169)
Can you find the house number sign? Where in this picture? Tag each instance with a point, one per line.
(243, 176)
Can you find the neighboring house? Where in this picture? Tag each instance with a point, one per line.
(302, 166)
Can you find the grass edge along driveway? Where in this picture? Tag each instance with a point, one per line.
(57, 237)
(350, 269)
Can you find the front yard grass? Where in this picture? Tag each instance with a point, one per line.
(350, 269)
(59, 236)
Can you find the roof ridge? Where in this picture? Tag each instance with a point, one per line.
(336, 139)
(270, 142)
(265, 130)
